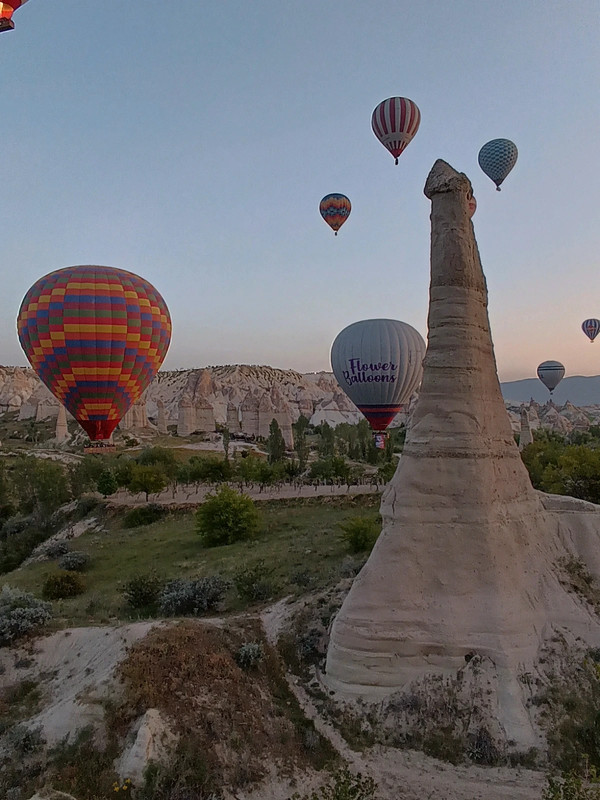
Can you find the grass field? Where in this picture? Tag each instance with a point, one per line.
(300, 544)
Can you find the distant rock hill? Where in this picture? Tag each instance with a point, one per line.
(577, 389)
(247, 397)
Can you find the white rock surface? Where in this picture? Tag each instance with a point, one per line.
(153, 740)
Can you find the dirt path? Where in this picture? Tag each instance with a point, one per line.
(194, 494)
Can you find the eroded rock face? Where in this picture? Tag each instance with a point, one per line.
(466, 561)
(153, 740)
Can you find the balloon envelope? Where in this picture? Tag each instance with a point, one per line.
(591, 328)
(6, 12)
(551, 374)
(335, 210)
(497, 158)
(96, 336)
(379, 364)
(395, 121)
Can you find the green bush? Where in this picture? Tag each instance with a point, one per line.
(254, 582)
(226, 517)
(61, 585)
(344, 786)
(570, 787)
(20, 613)
(143, 515)
(143, 590)
(360, 533)
(74, 561)
(249, 655)
(193, 597)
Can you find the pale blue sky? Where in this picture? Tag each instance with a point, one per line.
(191, 142)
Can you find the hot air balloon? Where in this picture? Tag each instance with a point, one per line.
(6, 12)
(395, 121)
(591, 328)
(497, 158)
(96, 336)
(335, 210)
(379, 364)
(551, 374)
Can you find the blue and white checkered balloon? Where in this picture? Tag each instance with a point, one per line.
(497, 158)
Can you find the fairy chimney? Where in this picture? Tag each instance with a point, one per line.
(266, 414)
(205, 416)
(186, 421)
(467, 559)
(161, 422)
(61, 433)
(233, 418)
(525, 436)
(249, 410)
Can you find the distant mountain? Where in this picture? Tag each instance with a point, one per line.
(578, 389)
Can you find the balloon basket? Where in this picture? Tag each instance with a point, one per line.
(6, 25)
(379, 439)
(100, 448)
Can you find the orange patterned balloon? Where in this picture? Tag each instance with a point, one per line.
(96, 336)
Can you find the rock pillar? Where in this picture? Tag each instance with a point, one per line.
(525, 436)
(62, 431)
(161, 422)
(466, 561)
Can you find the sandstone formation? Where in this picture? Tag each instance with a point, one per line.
(153, 740)
(249, 409)
(62, 430)
(186, 421)
(161, 422)
(205, 417)
(468, 559)
(232, 421)
(525, 435)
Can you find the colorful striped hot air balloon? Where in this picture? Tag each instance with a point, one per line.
(591, 328)
(395, 121)
(96, 336)
(6, 12)
(551, 374)
(379, 364)
(497, 158)
(335, 210)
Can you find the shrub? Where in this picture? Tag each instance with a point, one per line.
(253, 583)
(143, 590)
(360, 533)
(227, 517)
(192, 597)
(55, 549)
(344, 786)
(20, 613)
(143, 515)
(74, 561)
(24, 741)
(569, 787)
(61, 585)
(249, 655)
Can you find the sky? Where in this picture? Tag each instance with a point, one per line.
(191, 141)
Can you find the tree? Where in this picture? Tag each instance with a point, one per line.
(107, 483)
(40, 485)
(226, 517)
(301, 442)
(226, 441)
(148, 479)
(275, 443)
(327, 444)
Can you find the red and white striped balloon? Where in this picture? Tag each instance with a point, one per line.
(395, 121)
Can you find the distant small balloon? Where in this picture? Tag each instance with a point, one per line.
(395, 121)
(551, 374)
(335, 210)
(497, 158)
(591, 328)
